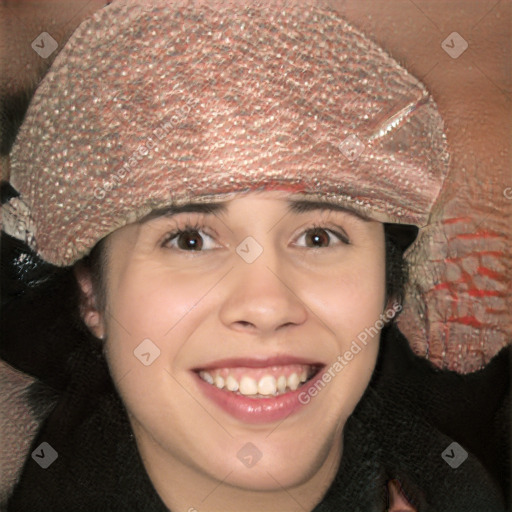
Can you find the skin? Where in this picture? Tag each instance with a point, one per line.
(303, 295)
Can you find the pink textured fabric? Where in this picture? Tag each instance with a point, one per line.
(156, 103)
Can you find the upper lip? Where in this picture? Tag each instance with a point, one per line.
(258, 362)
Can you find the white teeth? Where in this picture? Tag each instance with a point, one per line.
(281, 384)
(267, 385)
(206, 377)
(231, 383)
(248, 386)
(293, 381)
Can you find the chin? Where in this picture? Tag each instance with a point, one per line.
(270, 477)
(280, 466)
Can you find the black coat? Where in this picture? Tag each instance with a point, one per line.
(409, 415)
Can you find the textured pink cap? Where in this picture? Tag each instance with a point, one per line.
(152, 104)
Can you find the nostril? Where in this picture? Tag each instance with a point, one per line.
(244, 323)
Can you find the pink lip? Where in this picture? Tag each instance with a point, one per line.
(254, 410)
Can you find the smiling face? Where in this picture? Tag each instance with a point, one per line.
(256, 297)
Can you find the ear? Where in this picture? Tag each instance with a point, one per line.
(89, 312)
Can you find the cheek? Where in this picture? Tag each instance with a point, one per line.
(352, 297)
(350, 304)
(148, 310)
(150, 300)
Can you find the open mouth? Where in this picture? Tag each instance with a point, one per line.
(267, 382)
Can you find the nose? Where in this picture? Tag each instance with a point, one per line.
(263, 296)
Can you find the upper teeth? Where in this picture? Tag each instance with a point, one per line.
(268, 385)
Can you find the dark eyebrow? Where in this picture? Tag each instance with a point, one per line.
(168, 211)
(294, 206)
(302, 206)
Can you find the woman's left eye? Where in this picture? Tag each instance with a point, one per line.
(318, 234)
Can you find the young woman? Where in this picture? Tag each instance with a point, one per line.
(215, 202)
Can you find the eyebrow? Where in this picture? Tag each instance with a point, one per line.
(294, 206)
(301, 206)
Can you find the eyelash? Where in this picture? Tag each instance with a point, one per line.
(198, 226)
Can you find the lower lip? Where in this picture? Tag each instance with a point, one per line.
(253, 410)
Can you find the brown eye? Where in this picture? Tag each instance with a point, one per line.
(185, 240)
(317, 236)
(190, 237)
(190, 240)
